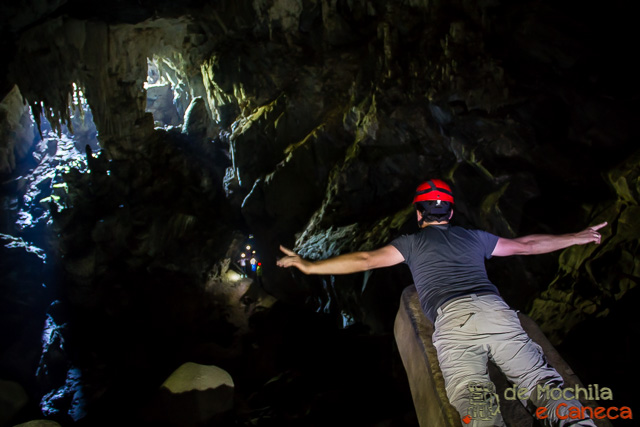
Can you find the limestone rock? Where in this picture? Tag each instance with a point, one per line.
(67, 400)
(197, 121)
(160, 104)
(583, 287)
(16, 130)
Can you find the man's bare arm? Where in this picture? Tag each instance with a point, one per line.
(343, 264)
(545, 243)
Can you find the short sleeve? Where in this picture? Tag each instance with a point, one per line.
(403, 245)
(489, 242)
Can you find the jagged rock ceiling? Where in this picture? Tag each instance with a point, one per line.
(312, 122)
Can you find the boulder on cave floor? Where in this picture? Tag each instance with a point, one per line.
(195, 394)
(38, 423)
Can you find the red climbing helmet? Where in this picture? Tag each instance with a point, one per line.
(434, 189)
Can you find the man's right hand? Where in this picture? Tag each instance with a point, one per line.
(590, 235)
(545, 243)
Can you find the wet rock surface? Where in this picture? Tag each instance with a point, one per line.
(308, 124)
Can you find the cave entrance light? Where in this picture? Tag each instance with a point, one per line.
(168, 95)
(61, 148)
(56, 144)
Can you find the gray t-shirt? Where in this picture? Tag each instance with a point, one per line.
(447, 261)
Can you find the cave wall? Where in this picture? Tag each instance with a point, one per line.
(324, 116)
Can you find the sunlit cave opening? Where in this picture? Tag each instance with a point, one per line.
(56, 153)
(167, 94)
(36, 190)
(39, 183)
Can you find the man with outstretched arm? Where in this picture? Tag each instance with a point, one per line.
(472, 322)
